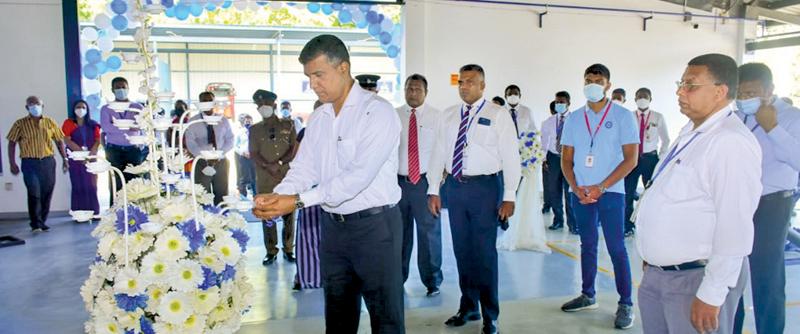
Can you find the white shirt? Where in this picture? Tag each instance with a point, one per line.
(197, 136)
(656, 130)
(350, 158)
(701, 206)
(549, 131)
(428, 119)
(524, 118)
(491, 147)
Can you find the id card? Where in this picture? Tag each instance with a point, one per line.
(589, 161)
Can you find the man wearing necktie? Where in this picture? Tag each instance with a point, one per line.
(521, 115)
(556, 187)
(420, 122)
(477, 148)
(212, 174)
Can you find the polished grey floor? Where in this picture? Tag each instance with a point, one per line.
(40, 282)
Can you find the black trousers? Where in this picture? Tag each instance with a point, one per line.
(120, 157)
(218, 184)
(472, 210)
(361, 258)
(647, 164)
(557, 190)
(40, 179)
(414, 209)
(547, 201)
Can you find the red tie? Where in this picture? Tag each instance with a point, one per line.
(641, 133)
(413, 149)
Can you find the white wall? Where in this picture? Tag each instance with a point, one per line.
(507, 42)
(32, 63)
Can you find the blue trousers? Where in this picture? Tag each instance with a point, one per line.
(473, 224)
(610, 211)
(40, 179)
(414, 209)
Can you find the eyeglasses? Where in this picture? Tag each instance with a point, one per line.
(689, 87)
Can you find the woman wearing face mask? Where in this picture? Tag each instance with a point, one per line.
(82, 134)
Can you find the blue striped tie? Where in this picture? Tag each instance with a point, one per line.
(461, 143)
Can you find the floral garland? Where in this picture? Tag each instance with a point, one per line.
(530, 152)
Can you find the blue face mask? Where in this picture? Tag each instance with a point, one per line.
(749, 106)
(286, 113)
(35, 110)
(121, 94)
(561, 108)
(594, 92)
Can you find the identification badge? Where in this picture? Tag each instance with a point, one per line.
(589, 161)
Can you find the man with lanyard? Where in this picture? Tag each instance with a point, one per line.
(652, 129)
(556, 185)
(776, 126)
(520, 114)
(476, 146)
(348, 164)
(599, 147)
(694, 221)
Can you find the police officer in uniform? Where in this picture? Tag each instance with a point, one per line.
(369, 82)
(272, 147)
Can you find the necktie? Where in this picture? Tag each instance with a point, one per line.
(461, 143)
(559, 129)
(413, 149)
(212, 137)
(641, 133)
(514, 118)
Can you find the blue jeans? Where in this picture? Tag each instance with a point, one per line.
(610, 211)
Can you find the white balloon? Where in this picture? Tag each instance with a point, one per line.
(275, 5)
(89, 34)
(102, 21)
(112, 33)
(300, 5)
(91, 87)
(253, 6)
(105, 44)
(240, 5)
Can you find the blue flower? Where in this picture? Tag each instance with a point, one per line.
(130, 331)
(212, 209)
(241, 237)
(136, 217)
(196, 236)
(229, 273)
(130, 303)
(146, 325)
(209, 279)
(531, 134)
(528, 143)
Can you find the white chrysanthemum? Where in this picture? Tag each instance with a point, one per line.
(107, 325)
(241, 296)
(106, 246)
(176, 210)
(220, 313)
(195, 324)
(235, 220)
(187, 276)
(212, 221)
(175, 308)
(154, 295)
(210, 259)
(171, 244)
(88, 291)
(216, 232)
(137, 170)
(129, 282)
(227, 248)
(129, 320)
(103, 270)
(138, 243)
(156, 270)
(105, 304)
(168, 328)
(141, 188)
(205, 301)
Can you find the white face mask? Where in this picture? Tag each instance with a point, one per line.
(205, 106)
(643, 104)
(80, 112)
(513, 99)
(594, 92)
(266, 111)
(618, 102)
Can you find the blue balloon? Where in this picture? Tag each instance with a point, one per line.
(211, 7)
(119, 22)
(119, 7)
(374, 29)
(337, 6)
(362, 24)
(93, 56)
(170, 12)
(380, 18)
(168, 3)
(90, 71)
(196, 9)
(345, 16)
(364, 8)
(385, 37)
(93, 99)
(113, 63)
(313, 7)
(393, 51)
(101, 68)
(372, 17)
(227, 4)
(327, 9)
(182, 11)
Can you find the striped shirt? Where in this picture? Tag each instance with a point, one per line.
(35, 138)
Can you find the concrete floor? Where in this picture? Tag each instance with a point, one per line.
(40, 282)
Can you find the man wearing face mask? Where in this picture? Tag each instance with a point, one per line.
(776, 126)
(618, 96)
(119, 151)
(652, 130)
(212, 174)
(520, 114)
(557, 189)
(36, 134)
(272, 148)
(286, 112)
(599, 148)
(244, 165)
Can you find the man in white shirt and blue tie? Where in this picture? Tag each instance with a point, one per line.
(521, 115)
(556, 186)
(348, 164)
(695, 221)
(776, 126)
(420, 122)
(477, 147)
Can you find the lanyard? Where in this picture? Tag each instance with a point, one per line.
(754, 127)
(599, 125)
(469, 123)
(672, 154)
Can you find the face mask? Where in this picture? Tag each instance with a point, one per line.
(80, 112)
(594, 92)
(121, 94)
(35, 110)
(618, 102)
(749, 106)
(266, 111)
(513, 99)
(247, 125)
(561, 108)
(286, 113)
(643, 104)
(205, 106)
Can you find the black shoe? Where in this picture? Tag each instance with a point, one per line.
(545, 210)
(624, 317)
(461, 318)
(573, 231)
(289, 258)
(44, 227)
(555, 227)
(269, 259)
(432, 292)
(504, 225)
(582, 302)
(490, 327)
(297, 286)
(630, 233)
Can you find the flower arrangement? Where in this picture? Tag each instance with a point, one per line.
(530, 151)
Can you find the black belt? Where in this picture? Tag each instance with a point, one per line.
(406, 179)
(360, 214)
(474, 178)
(123, 147)
(683, 266)
(653, 152)
(38, 159)
(551, 153)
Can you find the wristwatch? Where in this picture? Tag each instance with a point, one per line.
(602, 189)
(298, 203)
